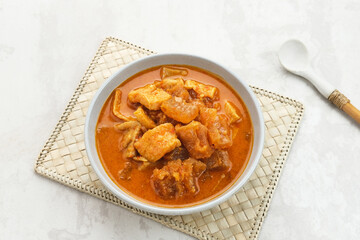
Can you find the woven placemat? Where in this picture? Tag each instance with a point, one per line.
(64, 159)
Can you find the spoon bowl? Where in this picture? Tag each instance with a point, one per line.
(293, 56)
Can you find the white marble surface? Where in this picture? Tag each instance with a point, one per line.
(46, 46)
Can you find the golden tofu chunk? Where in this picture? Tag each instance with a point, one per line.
(155, 143)
(179, 110)
(168, 72)
(175, 87)
(218, 126)
(201, 89)
(150, 96)
(143, 118)
(131, 131)
(117, 104)
(219, 160)
(177, 178)
(231, 112)
(194, 137)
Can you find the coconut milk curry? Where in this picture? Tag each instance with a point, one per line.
(174, 136)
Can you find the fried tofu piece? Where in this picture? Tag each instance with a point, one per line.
(131, 131)
(117, 104)
(143, 118)
(169, 72)
(175, 87)
(218, 126)
(219, 160)
(194, 137)
(177, 179)
(231, 112)
(201, 89)
(179, 110)
(155, 143)
(150, 96)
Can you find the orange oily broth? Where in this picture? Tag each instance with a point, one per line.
(210, 183)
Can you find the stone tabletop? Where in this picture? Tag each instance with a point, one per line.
(46, 46)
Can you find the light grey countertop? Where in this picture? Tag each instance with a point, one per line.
(46, 46)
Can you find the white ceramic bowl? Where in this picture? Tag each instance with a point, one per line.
(168, 59)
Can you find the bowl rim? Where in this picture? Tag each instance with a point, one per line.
(122, 195)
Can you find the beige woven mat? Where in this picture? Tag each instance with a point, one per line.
(64, 159)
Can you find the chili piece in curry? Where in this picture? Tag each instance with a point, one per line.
(174, 136)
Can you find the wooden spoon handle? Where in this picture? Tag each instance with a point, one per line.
(352, 111)
(344, 104)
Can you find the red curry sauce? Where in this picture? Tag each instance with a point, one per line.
(211, 183)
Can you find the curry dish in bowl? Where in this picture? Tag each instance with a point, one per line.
(174, 136)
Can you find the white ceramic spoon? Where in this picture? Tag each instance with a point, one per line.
(294, 57)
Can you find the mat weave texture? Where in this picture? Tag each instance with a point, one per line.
(64, 159)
